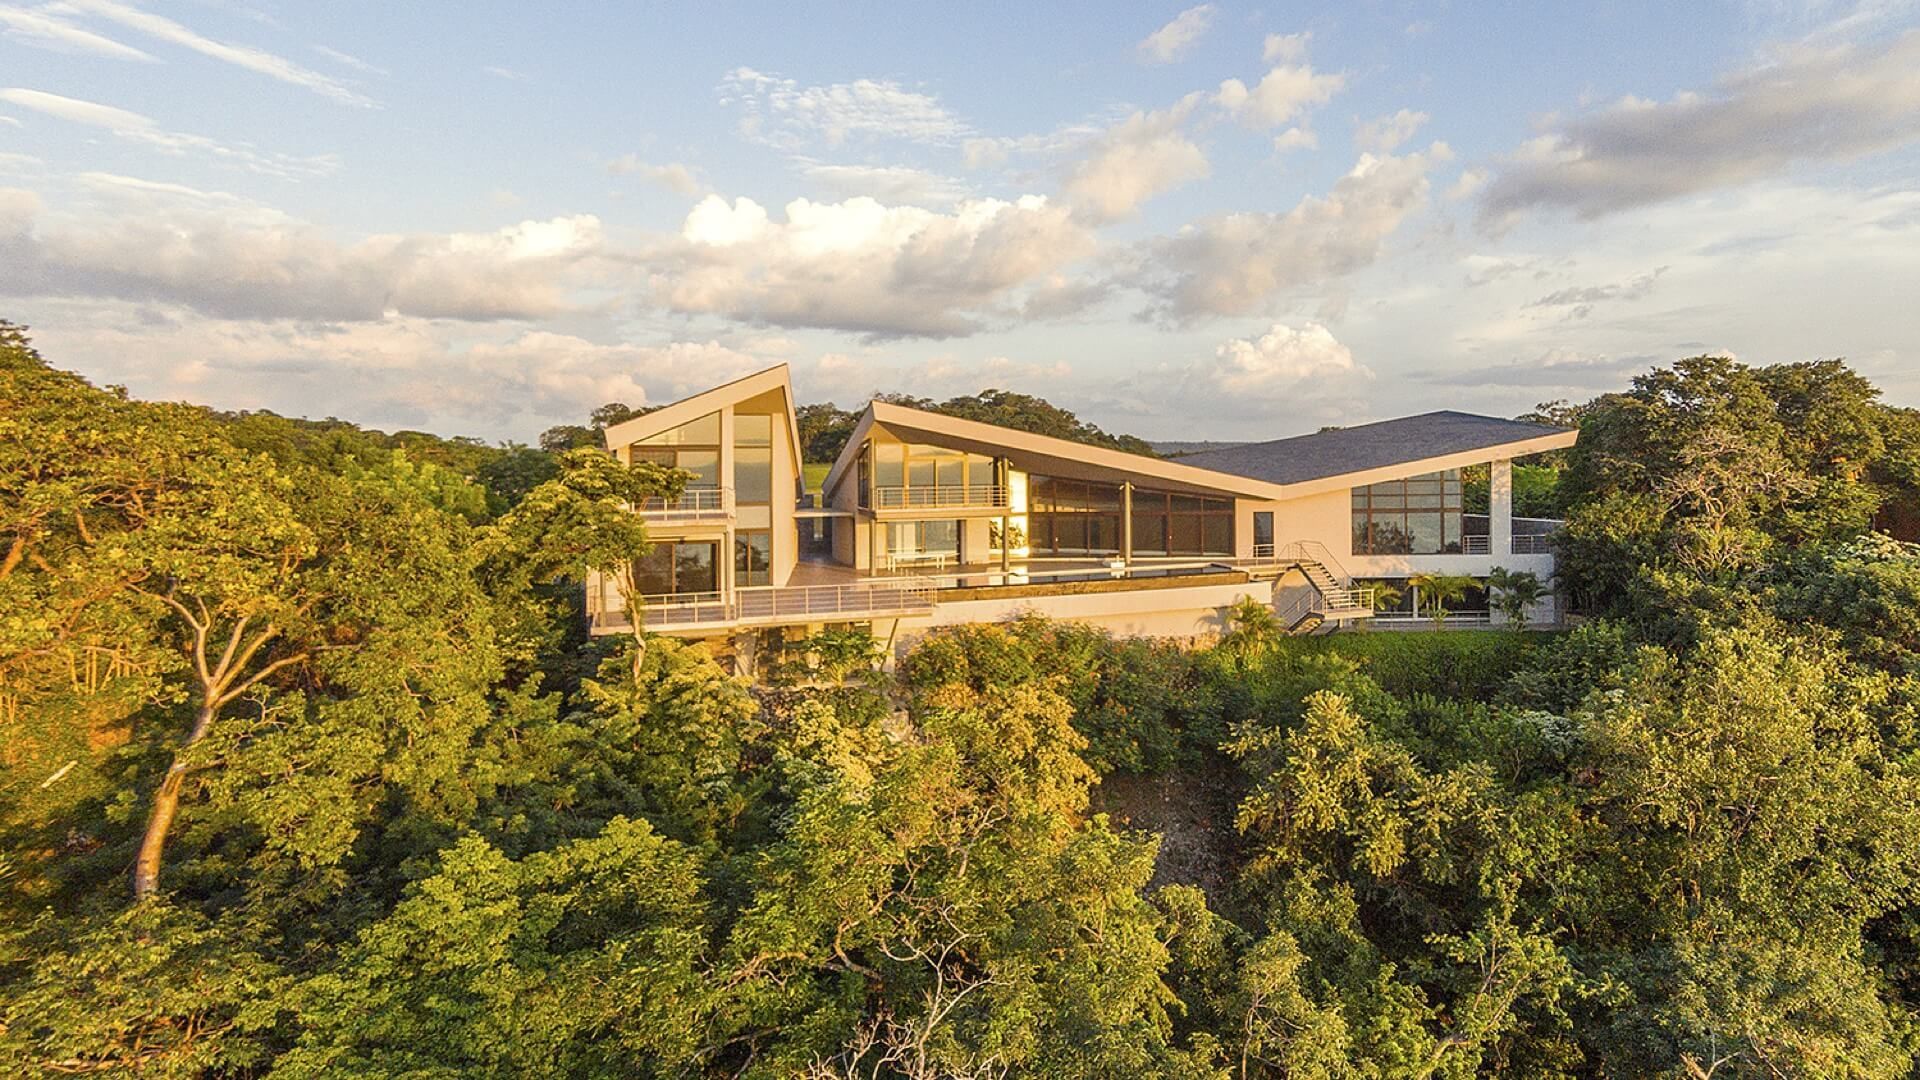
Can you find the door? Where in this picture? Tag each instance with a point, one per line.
(1262, 533)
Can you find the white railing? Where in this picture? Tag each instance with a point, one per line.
(893, 497)
(1455, 620)
(813, 602)
(1311, 551)
(700, 502)
(1345, 600)
(924, 561)
(1532, 544)
(1476, 545)
(774, 604)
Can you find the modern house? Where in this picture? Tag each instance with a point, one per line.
(927, 520)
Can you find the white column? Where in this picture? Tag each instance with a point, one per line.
(1126, 522)
(1500, 518)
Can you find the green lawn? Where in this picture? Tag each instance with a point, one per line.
(812, 475)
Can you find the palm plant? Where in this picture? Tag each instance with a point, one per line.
(1252, 629)
(1518, 591)
(1439, 591)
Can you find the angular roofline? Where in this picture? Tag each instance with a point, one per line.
(890, 414)
(674, 414)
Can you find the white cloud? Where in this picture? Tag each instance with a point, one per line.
(1468, 185)
(1177, 38)
(673, 176)
(215, 253)
(1140, 157)
(783, 113)
(9, 121)
(348, 60)
(1276, 363)
(242, 56)
(1385, 134)
(506, 73)
(1295, 138)
(134, 127)
(887, 183)
(1806, 105)
(1237, 264)
(1284, 93)
(39, 27)
(1285, 48)
(862, 266)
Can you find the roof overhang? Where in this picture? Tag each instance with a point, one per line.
(699, 405)
(991, 438)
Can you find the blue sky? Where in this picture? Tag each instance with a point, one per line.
(1183, 221)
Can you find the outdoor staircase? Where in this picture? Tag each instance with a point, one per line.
(1333, 601)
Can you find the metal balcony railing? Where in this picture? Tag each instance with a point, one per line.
(940, 496)
(693, 504)
(767, 604)
(1532, 544)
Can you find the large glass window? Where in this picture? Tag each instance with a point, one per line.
(702, 432)
(1073, 517)
(908, 476)
(751, 429)
(752, 558)
(1175, 523)
(1419, 515)
(753, 476)
(677, 568)
(923, 538)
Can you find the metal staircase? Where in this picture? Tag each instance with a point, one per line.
(1334, 600)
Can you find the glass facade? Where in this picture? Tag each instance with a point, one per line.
(678, 567)
(693, 446)
(895, 476)
(923, 538)
(1420, 515)
(1172, 523)
(1072, 517)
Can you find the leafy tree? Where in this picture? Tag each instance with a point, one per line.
(1439, 590)
(1024, 412)
(824, 431)
(1515, 593)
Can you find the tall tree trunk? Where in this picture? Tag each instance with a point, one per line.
(166, 803)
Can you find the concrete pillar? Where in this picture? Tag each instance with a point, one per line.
(1500, 519)
(1126, 522)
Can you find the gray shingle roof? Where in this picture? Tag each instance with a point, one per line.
(1367, 446)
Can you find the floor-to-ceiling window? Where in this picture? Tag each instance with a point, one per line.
(1419, 515)
(752, 557)
(678, 567)
(1174, 523)
(910, 476)
(752, 459)
(1072, 517)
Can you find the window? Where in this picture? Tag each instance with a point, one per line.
(752, 558)
(750, 429)
(1263, 532)
(1419, 515)
(753, 476)
(1172, 523)
(677, 568)
(702, 432)
(923, 538)
(1073, 517)
(909, 476)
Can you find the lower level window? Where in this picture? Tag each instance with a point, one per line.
(752, 558)
(678, 567)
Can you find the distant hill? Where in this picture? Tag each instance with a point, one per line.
(1175, 448)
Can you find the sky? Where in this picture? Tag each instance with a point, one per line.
(1183, 222)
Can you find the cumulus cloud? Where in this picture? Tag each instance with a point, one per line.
(1276, 362)
(1285, 48)
(1237, 264)
(1140, 157)
(134, 127)
(1806, 105)
(673, 176)
(783, 113)
(1177, 38)
(1295, 138)
(1385, 134)
(220, 255)
(1285, 92)
(887, 183)
(42, 29)
(863, 266)
(242, 56)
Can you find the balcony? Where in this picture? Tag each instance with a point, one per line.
(693, 504)
(941, 497)
(772, 606)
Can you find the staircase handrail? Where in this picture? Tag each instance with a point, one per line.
(1312, 551)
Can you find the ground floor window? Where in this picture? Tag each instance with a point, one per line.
(923, 538)
(1171, 523)
(752, 558)
(678, 567)
(1420, 515)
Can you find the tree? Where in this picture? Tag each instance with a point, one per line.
(824, 430)
(582, 521)
(1253, 630)
(1024, 412)
(1515, 593)
(1439, 590)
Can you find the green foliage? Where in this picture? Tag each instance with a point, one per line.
(1515, 592)
(1024, 412)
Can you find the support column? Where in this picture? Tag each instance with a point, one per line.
(1500, 517)
(1003, 475)
(1126, 522)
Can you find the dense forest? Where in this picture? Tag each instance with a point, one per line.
(307, 769)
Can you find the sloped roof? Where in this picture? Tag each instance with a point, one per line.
(692, 408)
(1346, 451)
